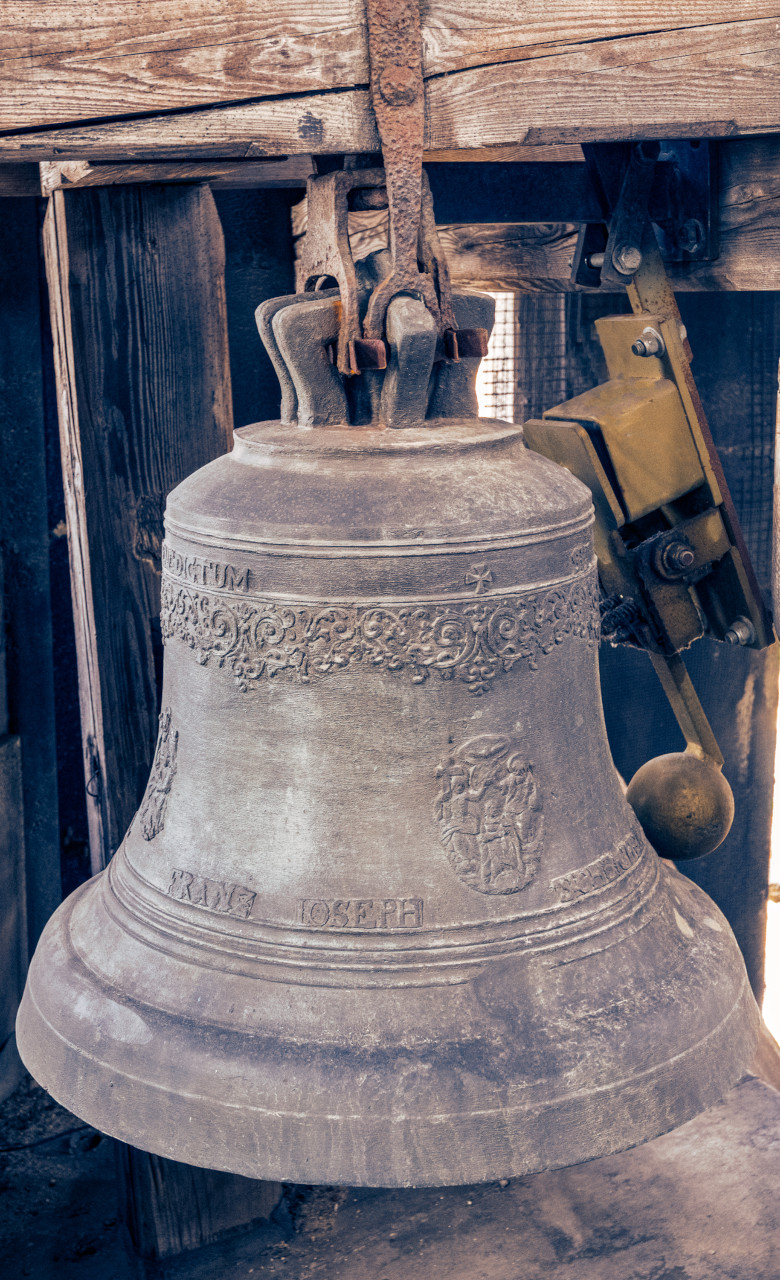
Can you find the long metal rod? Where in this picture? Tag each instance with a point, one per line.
(688, 711)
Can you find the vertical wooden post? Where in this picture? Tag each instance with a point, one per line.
(24, 541)
(136, 283)
(13, 898)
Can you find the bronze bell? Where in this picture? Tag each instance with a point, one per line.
(384, 916)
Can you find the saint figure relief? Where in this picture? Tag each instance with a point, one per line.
(490, 817)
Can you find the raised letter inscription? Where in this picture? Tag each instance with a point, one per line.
(361, 913)
(490, 817)
(204, 573)
(601, 871)
(223, 896)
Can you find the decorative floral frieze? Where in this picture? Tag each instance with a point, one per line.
(472, 641)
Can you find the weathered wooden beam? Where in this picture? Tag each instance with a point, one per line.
(537, 257)
(13, 902)
(67, 61)
(69, 175)
(293, 90)
(291, 171)
(136, 281)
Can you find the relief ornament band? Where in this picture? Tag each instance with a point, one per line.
(472, 640)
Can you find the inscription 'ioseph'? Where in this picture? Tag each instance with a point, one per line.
(603, 870)
(361, 913)
(204, 573)
(222, 896)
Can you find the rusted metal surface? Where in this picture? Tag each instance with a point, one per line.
(395, 55)
(395, 61)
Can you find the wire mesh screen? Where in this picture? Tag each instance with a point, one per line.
(529, 364)
(497, 373)
(542, 369)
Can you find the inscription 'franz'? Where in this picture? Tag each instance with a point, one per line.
(204, 573)
(222, 896)
(603, 870)
(361, 913)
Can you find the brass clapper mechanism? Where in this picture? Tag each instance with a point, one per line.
(672, 559)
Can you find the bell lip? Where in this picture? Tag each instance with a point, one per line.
(428, 1150)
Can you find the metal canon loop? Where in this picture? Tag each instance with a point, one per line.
(418, 266)
(397, 96)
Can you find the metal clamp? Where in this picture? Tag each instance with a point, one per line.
(395, 56)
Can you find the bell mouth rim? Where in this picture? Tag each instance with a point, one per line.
(258, 440)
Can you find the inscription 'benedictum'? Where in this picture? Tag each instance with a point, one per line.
(204, 573)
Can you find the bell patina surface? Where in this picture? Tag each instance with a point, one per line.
(384, 916)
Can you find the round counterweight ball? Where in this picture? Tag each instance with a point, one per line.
(684, 804)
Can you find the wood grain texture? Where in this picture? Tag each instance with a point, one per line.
(706, 81)
(329, 122)
(24, 555)
(136, 277)
(76, 60)
(13, 901)
(538, 257)
(170, 1208)
(471, 33)
(292, 172)
(576, 76)
(19, 180)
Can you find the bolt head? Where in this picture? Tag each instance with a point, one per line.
(691, 236)
(627, 259)
(741, 632)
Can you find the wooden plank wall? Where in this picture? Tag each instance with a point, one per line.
(191, 78)
(24, 549)
(136, 282)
